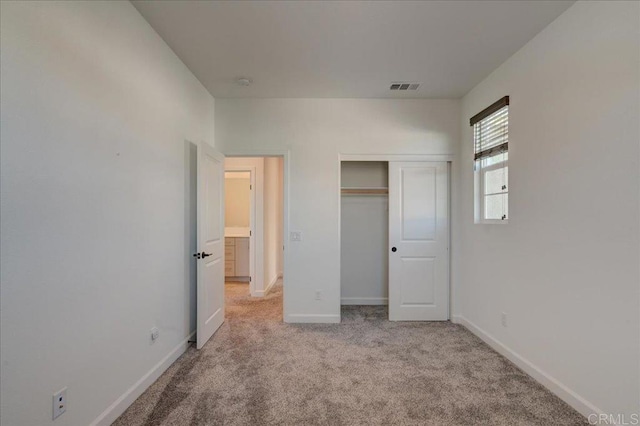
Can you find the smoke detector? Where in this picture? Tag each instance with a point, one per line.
(243, 81)
(403, 85)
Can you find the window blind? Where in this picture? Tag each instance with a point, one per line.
(491, 129)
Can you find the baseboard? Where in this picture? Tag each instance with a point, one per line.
(262, 293)
(119, 406)
(271, 284)
(572, 398)
(456, 319)
(364, 301)
(314, 319)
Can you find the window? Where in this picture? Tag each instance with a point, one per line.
(491, 162)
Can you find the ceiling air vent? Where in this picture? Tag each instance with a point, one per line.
(404, 86)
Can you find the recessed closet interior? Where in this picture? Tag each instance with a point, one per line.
(364, 232)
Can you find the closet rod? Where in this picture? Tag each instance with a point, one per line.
(364, 191)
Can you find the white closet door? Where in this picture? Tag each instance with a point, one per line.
(418, 241)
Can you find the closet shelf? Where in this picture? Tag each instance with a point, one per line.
(364, 191)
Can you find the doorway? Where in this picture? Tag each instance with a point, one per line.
(395, 237)
(364, 216)
(254, 224)
(239, 227)
(267, 230)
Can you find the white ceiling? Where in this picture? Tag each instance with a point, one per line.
(348, 49)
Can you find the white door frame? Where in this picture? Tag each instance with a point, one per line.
(252, 221)
(286, 165)
(449, 158)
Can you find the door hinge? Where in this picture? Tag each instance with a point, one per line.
(249, 233)
(250, 187)
(249, 279)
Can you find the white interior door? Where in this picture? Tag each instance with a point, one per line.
(418, 241)
(210, 304)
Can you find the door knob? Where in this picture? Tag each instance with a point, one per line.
(393, 249)
(206, 254)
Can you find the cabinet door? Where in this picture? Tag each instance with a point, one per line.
(242, 257)
(229, 268)
(229, 253)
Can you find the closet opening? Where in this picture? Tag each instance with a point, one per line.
(364, 228)
(394, 238)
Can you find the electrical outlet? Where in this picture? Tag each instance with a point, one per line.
(59, 403)
(295, 236)
(504, 319)
(318, 294)
(155, 333)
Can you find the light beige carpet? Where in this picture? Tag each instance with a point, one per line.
(256, 370)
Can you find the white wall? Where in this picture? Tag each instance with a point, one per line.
(364, 239)
(97, 209)
(316, 131)
(273, 199)
(565, 268)
(237, 200)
